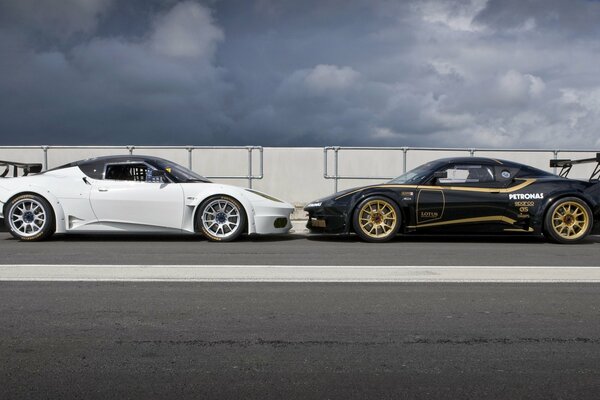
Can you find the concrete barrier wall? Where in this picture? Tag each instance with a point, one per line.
(296, 174)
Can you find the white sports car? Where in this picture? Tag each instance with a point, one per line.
(133, 194)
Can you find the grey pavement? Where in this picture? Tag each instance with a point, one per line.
(299, 341)
(126, 340)
(298, 249)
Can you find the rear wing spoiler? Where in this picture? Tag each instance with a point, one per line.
(27, 168)
(566, 165)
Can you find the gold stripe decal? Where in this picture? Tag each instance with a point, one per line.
(378, 186)
(491, 218)
(443, 205)
(520, 186)
(526, 183)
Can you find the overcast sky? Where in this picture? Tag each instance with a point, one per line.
(496, 73)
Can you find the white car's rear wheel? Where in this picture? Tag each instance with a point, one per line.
(222, 219)
(30, 218)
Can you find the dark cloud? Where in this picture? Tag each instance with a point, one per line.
(313, 73)
(553, 16)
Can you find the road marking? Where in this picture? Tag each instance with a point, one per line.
(295, 273)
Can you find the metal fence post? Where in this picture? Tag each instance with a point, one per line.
(335, 168)
(404, 151)
(554, 170)
(190, 149)
(130, 149)
(472, 152)
(325, 175)
(250, 167)
(261, 165)
(45, 149)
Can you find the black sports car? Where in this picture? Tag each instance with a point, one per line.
(467, 195)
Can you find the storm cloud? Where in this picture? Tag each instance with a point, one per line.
(462, 73)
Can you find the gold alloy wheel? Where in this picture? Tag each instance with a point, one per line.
(377, 219)
(570, 220)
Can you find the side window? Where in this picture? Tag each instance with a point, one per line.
(93, 169)
(506, 174)
(468, 174)
(127, 172)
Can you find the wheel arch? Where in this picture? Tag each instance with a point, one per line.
(360, 199)
(198, 206)
(557, 197)
(57, 210)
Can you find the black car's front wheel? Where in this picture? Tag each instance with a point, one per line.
(377, 219)
(569, 220)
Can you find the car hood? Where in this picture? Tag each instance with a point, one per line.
(339, 194)
(200, 188)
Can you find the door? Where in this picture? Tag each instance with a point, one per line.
(131, 194)
(471, 197)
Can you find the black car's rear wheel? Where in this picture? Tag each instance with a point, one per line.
(377, 219)
(569, 220)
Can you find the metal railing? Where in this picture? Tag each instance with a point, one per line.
(336, 177)
(190, 149)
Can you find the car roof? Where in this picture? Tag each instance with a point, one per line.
(113, 159)
(479, 160)
(120, 158)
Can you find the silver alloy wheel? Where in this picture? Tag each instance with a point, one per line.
(221, 218)
(27, 217)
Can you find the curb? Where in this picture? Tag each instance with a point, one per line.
(299, 227)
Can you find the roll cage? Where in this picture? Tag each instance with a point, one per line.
(501, 172)
(96, 168)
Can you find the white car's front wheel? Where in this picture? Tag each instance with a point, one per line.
(222, 219)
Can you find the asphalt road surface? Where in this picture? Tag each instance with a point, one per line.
(126, 340)
(299, 341)
(300, 250)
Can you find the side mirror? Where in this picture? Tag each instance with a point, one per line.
(440, 174)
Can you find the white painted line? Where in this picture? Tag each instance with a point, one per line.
(296, 273)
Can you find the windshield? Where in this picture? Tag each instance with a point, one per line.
(179, 173)
(414, 176)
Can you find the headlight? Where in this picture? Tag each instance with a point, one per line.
(315, 204)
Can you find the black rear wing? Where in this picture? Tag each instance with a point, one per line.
(566, 166)
(27, 168)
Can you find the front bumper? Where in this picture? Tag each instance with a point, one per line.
(272, 218)
(321, 221)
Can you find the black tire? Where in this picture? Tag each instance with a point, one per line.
(30, 218)
(209, 215)
(377, 219)
(568, 220)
